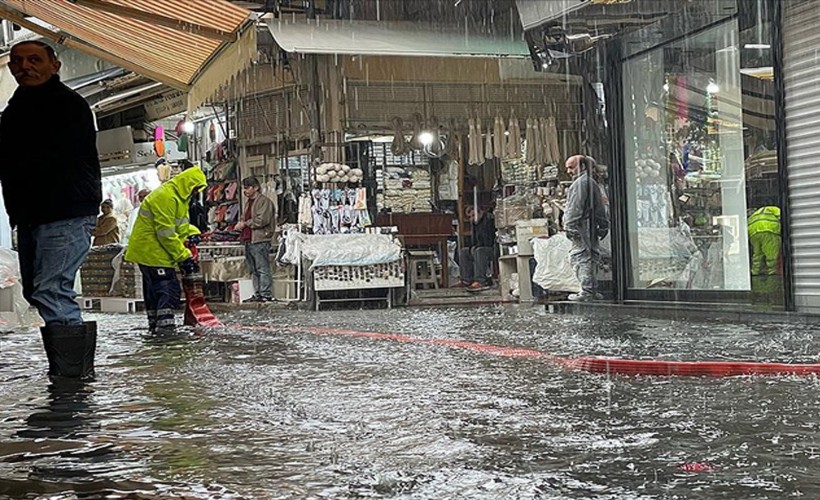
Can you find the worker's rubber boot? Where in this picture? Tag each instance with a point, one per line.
(70, 350)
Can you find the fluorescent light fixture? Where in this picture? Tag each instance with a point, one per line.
(759, 46)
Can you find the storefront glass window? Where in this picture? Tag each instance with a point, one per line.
(701, 159)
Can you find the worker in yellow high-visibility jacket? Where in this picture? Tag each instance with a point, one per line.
(764, 235)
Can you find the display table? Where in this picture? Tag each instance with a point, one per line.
(352, 263)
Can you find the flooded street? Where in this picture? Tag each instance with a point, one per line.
(302, 405)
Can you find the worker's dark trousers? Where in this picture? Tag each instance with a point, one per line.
(161, 291)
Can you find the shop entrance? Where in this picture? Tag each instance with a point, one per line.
(702, 198)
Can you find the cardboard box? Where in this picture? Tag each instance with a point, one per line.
(526, 230)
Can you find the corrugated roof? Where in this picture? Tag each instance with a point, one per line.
(191, 45)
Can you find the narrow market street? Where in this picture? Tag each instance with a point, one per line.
(297, 404)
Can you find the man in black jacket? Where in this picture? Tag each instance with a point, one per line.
(474, 262)
(48, 143)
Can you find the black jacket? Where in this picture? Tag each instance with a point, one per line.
(49, 166)
(484, 231)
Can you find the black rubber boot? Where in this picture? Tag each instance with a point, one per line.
(70, 350)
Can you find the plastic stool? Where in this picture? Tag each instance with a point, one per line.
(422, 268)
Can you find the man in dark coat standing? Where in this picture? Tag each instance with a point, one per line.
(586, 221)
(48, 144)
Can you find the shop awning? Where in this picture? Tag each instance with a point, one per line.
(308, 36)
(191, 45)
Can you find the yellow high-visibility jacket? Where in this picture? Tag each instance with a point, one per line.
(765, 219)
(162, 224)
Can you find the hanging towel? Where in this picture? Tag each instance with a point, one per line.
(537, 150)
(399, 146)
(498, 136)
(514, 137)
(452, 139)
(472, 154)
(546, 153)
(488, 144)
(479, 156)
(415, 143)
(530, 151)
(553, 140)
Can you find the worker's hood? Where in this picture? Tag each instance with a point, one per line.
(188, 180)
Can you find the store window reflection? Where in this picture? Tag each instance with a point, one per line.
(700, 160)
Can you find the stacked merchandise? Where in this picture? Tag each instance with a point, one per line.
(514, 208)
(97, 272)
(406, 189)
(130, 284)
(518, 172)
(222, 195)
(338, 173)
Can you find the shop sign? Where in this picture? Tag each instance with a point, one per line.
(168, 104)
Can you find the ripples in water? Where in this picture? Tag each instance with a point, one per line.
(287, 412)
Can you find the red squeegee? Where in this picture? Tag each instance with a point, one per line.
(197, 312)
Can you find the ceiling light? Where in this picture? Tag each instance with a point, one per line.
(759, 46)
(426, 138)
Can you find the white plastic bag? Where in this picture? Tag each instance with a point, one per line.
(10, 283)
(553, 271)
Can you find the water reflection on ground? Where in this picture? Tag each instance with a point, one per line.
(293, 407)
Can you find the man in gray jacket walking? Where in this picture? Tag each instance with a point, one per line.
(257, 226)
(586, 222)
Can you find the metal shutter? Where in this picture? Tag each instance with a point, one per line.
(801, 44)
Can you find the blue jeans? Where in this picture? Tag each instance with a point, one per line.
(257, 257)
(50, 255)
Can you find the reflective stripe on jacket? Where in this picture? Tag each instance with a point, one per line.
(765, 219)
(162, 224)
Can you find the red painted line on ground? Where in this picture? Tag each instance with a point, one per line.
(588, 364)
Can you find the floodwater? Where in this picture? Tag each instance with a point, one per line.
(304, 406)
